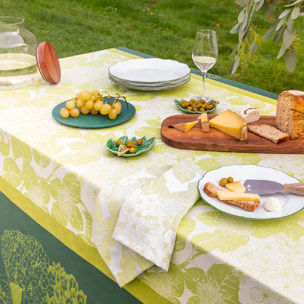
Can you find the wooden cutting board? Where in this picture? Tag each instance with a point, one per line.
(216, 140)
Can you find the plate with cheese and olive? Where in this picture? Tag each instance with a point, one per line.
(231, 197)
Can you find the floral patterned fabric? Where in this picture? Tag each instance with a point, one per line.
(149, 217)
(68, 173)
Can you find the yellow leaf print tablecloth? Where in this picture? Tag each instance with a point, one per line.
(69, 175)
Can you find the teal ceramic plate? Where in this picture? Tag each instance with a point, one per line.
(146, 145)
(178, 104)
(94, 121)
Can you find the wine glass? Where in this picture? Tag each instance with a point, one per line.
(204, 53)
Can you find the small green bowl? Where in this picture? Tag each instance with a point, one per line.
(178, 104)
(144, 147)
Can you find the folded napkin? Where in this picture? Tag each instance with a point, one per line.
(150, 215)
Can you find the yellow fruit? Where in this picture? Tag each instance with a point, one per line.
(113, 113)
(84, 110)
(117, 106)
(64, 112)
(74, 112)
(95, 95)
(84, 95)
(70, 104)
(97, 105)
(89, 104)
(94, 112)
(105, 108)
(80, 103)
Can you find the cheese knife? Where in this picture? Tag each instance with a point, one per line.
(270, 187)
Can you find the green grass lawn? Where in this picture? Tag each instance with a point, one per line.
(162, 28)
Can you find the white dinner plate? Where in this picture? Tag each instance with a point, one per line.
(149, 70)
(153, 87)
(153, 84)
(290, 203)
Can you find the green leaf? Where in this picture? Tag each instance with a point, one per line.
(235, 29)
(290, 60)
(295, 12)
(253, 47)
(281, 22)
(288, 37)
(290, 24)
(281, 52)
(243, 31)
(258, 4)
(241, 16)
(269, 33)
(234, 65)
(279, 36)
(284, 13)
(272, 7)
(241, 3)
(294, 3)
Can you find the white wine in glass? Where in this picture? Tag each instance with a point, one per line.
(205, 53)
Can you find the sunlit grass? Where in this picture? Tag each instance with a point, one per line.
(162, 28)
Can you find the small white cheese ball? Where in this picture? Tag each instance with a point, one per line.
(272, 204)
(250, 115)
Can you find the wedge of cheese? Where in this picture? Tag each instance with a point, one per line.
(235, 187)
(204, 122)
(185, 127)
(230, 123)
(225, 195)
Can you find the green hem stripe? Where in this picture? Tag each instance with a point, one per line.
(89, 253)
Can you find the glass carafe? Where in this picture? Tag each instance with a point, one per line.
(18, 67)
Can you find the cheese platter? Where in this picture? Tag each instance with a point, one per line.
(215, 140)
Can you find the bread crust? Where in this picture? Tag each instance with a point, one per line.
(294, 99)
(269, 132)
(246, 205)
(290, 113)
(211, 190)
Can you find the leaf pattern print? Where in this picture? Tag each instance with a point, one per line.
(219, 285)
(5, 145)
(12, 172)
(68, 207)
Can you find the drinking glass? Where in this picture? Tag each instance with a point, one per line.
(205, 52)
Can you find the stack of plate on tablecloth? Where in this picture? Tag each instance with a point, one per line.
(150, 74)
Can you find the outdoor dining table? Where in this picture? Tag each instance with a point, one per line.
(61, 192)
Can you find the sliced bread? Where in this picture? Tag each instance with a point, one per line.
(269, 132)
(248, 202)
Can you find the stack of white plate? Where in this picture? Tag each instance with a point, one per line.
(150, 74)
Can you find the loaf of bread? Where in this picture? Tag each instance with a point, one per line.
(269, 132)
(290, 113)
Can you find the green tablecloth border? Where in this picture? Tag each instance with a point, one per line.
(75, 243)
(213, 77)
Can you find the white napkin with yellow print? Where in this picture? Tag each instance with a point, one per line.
(150, 215)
